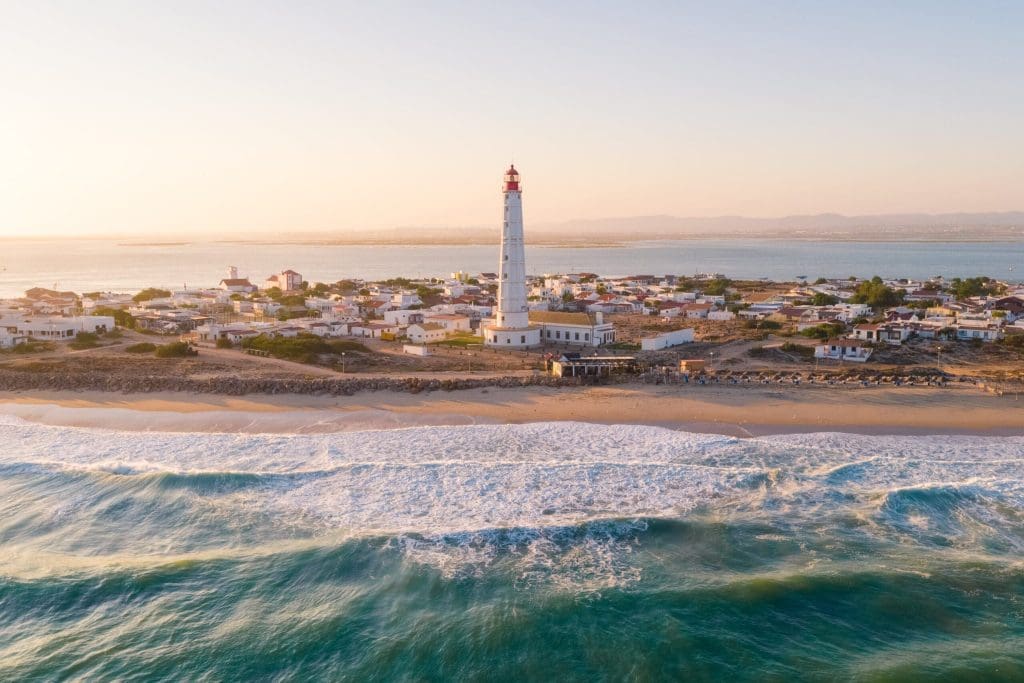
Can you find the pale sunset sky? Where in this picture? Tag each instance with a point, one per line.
(203, 118)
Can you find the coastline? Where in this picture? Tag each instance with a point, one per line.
(734, 411)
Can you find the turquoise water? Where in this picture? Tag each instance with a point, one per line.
(536, 552)
(94, 265)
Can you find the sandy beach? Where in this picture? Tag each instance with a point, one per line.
(737, 411)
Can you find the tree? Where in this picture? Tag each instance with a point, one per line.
(876, 294)
(121, 318)
(151, 293)
(85, 340)
(822, 331)
(823, 299)
(717, 286)
(974, 286)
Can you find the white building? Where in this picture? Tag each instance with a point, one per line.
(667, 340)
(425, 333)
(982, 332)
(237, 285)
(585, 329)
(57, 327)
(403, 317)
(853, 350)
(374, 330)
(286, 281)
(452, 322)
(511, 327)
(9, 340)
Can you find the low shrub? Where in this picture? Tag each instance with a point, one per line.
(85, 340)
(141, 347)
(175, 350)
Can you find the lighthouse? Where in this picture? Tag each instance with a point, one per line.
(511, 327)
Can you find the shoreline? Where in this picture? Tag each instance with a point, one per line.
(747, 412)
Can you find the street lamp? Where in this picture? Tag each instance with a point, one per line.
(343, 361)
(938, 358)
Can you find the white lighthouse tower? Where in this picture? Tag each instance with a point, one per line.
(511, 328)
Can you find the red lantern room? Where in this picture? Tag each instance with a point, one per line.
(512, 179)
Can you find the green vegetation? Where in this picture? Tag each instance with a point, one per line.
(717, 286)
(305, 348)
(822, 331)
(974, 286)
(175, 350)
(151, 293)
(820, 281)
(798, 349)
(31, 347)
(121, 318)
(685, 284)
(224, 343)
(85, 340)
(823, 299)
(763, 325)
(141, 347)
(345, 286)
(462, 341)
(876, 294)
(623, 346)
(1013, 341)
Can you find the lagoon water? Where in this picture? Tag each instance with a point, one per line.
(92, 265)
(558, 551)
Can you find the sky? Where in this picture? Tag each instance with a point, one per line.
(204, 118)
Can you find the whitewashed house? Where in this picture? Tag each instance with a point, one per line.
(452, 322)
(982, 332)
(853, 350)
(374, 330)
(426, 333)
(667, 340)
(403, 317)
(237, 285)
(8, 340)
(585, 329)
(286, 281)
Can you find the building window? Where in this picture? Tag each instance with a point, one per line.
(558, 335)
(577, 336)
(586, 337)
(522, 340)
(508, 340)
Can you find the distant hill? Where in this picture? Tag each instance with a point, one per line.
(956, 227)
(821, 226)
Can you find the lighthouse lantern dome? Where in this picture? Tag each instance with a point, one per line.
(512, 179)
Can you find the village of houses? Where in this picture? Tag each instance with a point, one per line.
(585, 319)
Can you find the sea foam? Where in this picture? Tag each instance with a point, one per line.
(556, 495)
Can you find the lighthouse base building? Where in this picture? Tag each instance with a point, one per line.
(512, 338)
(511, 328)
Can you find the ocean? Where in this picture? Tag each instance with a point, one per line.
(550, 551)
(103, 265)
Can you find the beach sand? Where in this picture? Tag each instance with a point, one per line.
(722, 409)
